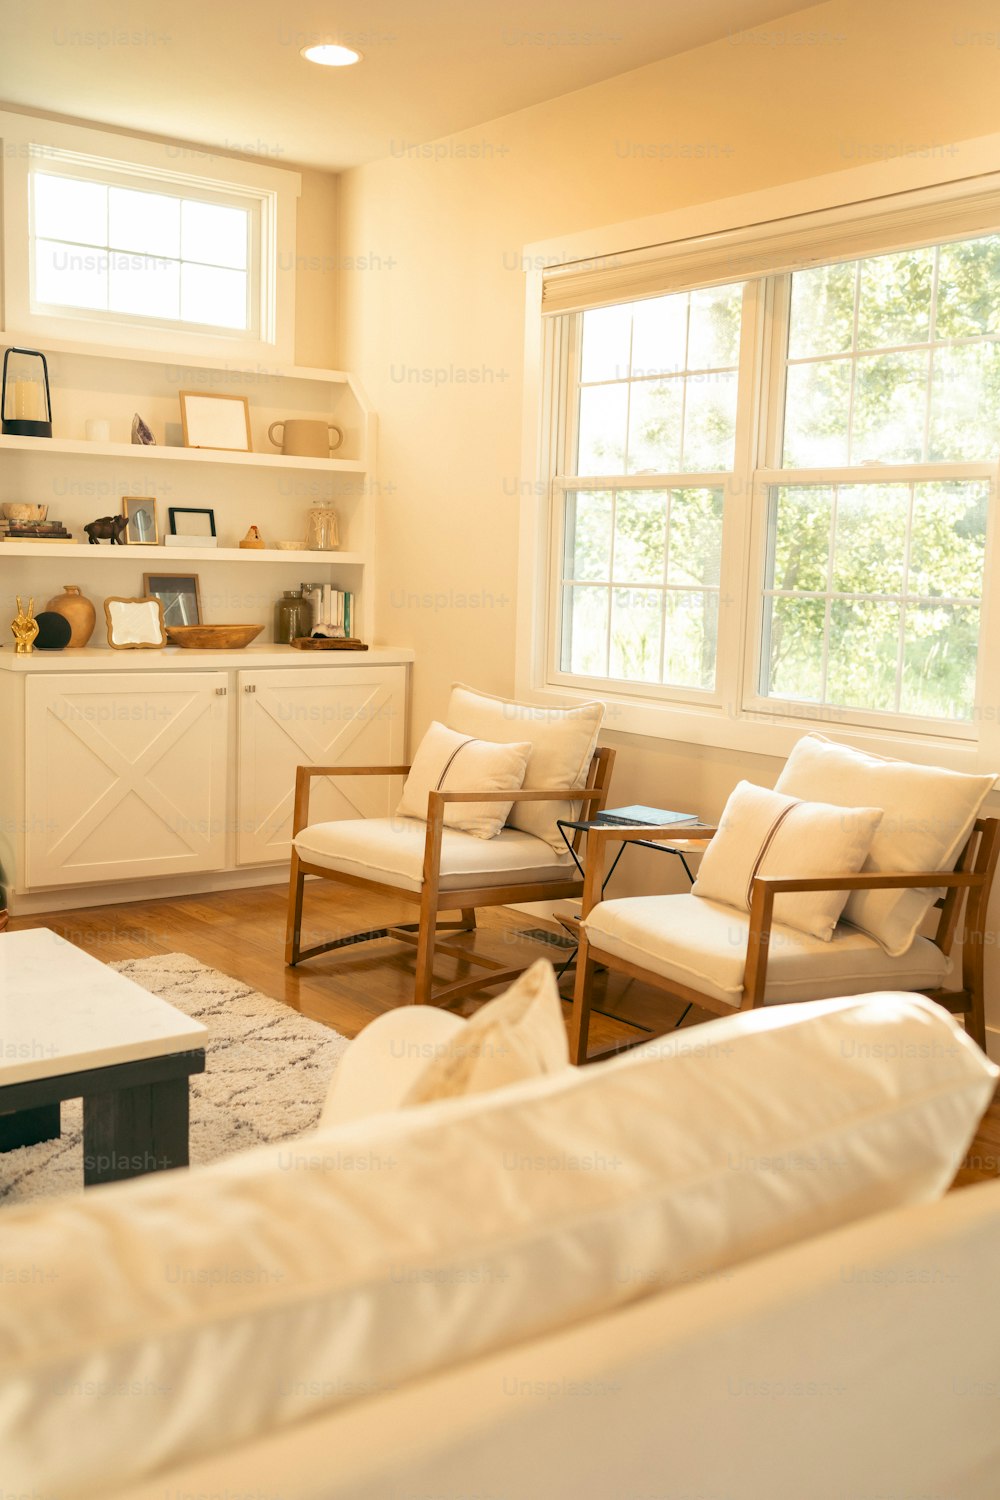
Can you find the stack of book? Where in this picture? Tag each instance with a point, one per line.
(34, 531)
(333, 610)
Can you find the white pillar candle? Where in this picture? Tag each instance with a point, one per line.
(28, 401)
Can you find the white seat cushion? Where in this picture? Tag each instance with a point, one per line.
(703, 945)
(391, 851)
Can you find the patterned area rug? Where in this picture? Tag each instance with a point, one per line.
(267, 1073)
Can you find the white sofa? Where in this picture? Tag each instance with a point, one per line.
(805, 1330)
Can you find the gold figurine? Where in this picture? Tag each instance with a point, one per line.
(24, 627)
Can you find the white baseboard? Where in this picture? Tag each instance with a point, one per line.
(125, 892)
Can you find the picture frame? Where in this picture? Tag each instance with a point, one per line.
(215, 421)
(178, 593)
(134, 624)
(140, 512)
(204, 526)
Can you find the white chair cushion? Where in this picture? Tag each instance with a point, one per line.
(517, 1035)
(183, 1313)
(563, 741)
(452, 762)
(703, 945)
(929, 814)
(764, 833)
(391, 851)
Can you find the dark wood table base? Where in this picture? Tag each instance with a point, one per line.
(135, 1115)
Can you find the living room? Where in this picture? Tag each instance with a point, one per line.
(480, 236)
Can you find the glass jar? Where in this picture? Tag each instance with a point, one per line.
(292, 617)
(323, 534)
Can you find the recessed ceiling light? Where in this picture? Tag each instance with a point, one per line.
(331, 55)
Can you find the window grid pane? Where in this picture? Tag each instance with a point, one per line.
(657, 391)
(895, 359)
(144, 254)
(640, 585)
(895, 625)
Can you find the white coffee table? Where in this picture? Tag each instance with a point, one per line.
(72, 1028)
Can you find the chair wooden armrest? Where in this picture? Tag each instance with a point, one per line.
(766, 887)
(303, 779)
(541, 794)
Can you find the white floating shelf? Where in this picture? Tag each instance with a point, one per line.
(80, 448)
(139, 553)
(258, 368)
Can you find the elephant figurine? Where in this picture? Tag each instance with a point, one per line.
(111, 527)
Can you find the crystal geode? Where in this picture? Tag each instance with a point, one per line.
(141, 433)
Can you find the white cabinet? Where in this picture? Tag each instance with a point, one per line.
(125, 775)
(314, 716)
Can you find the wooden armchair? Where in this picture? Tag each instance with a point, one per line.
(722, 959)
(436, 867)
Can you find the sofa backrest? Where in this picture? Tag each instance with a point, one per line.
(860, 1364)
(181, 1314)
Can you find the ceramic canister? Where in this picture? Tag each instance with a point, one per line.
(78, 610)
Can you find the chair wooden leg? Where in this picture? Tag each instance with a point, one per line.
(468, 919)
(975, 1015)
(293, 928)
(425, 948)
(579, 1028)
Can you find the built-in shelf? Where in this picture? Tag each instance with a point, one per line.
(155, 452)
(58, 550)
(79, 480)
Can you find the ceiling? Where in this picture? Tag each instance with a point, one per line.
(230, 76)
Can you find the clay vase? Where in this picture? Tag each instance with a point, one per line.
(78, 610)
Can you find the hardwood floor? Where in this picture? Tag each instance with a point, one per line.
(242, 933)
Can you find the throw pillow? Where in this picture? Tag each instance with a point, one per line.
(519, 1034)
(764, 833)
(447, 761)
(929, 814)
(562, 741)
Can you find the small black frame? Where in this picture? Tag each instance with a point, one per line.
(174, 511)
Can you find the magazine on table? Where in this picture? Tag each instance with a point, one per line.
(640, 815)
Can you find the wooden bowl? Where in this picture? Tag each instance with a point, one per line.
(212, 637)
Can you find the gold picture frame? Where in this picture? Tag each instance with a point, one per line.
(143, 529)
(134, 624)
(214, 421)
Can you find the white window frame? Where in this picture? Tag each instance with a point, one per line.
(736, 717)
(271, 192)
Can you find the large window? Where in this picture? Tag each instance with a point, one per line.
(813, 451)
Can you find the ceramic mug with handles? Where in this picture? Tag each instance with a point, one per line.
(305, 437)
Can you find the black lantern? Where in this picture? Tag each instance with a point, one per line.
(25, 402)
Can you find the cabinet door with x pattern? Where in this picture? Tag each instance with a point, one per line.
(349, 716)
(125, 775)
